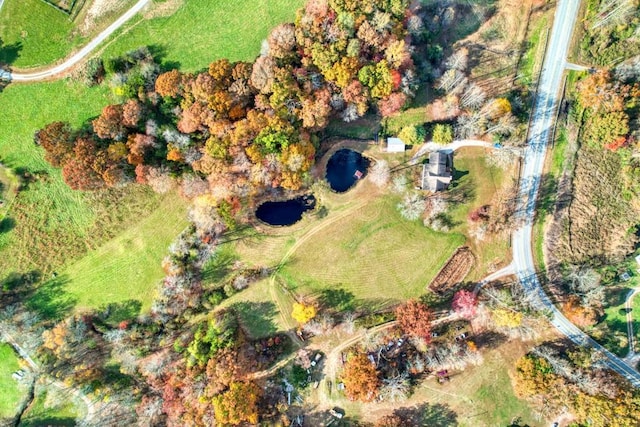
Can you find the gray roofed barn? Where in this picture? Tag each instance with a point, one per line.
(438, 173)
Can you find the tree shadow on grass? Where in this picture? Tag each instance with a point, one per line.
(9, 53)
(256, 318)
(116, 312)
(47, 421)
(548, 192)
(7, 224)
(428, 415)
(337, 299)
(50, 299)
(489, 339)
(218, 267)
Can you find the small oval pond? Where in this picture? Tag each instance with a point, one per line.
(286, 212)
(344, 168)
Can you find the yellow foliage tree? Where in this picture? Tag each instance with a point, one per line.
(303, 313)
(507, 318)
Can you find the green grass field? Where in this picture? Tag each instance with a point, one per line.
(10, 392)
(204, 30)
(53, 226)
(370, 258)
(42, 412)
(48, 213)
(34, 34)
(128, 266)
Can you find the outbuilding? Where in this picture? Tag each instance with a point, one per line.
(395, 145)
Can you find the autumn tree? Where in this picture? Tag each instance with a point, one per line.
(169, 84)
(57, 140)
(131, 113)
(109, 125)
(464, 304)
(360, 378)
(415, 319)
(602, 129)
(238, 404)
(303, 313)
(600, 93)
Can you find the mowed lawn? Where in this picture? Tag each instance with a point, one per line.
(129, 266)
(477, 182)
(34, 34)
(48, 214)
(10, 392)
(204, 30)
(372, 256)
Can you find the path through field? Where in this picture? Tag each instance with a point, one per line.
(58, 70)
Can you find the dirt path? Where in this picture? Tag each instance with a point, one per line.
(58, 70)
(333, 359)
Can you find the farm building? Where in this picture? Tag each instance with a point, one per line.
(438, 173)
(395, 145)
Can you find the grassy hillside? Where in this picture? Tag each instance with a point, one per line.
(40, 33)
(53, 226)
(204, 30)
(371, 258)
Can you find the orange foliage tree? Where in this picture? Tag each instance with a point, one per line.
(360, 378)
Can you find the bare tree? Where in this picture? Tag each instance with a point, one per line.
(469, 125)
(614, 12)
(458, 60)
(379, 174)
(585, 282)
(396, 389)
(473, 97)
(505, 125)
(452, 81)
(412, 206)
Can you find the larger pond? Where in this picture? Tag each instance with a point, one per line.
(345, 168)
(286, 212)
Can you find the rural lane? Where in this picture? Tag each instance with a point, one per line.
(539, 133)
(82, 53)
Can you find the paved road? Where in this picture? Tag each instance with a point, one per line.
(539, 134)
(82, 53)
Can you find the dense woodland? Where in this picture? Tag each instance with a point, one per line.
(234, 130)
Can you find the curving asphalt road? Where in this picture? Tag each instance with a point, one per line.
(539, 134)
(82, 53)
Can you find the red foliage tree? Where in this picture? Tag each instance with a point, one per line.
(392, 104)
(78, 171)
(109, 125)
(415, 319)
(131, 113)
(464, 304)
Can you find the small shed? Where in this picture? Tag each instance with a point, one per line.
(395, 145)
